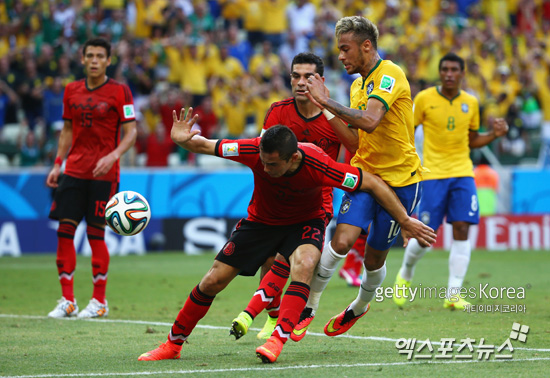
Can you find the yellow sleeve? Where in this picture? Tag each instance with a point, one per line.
(474, 125)
(418, 109)
(389, 85)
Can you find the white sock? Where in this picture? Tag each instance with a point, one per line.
(413, 254)
(324, 271)
(459, 259)
(372, 280)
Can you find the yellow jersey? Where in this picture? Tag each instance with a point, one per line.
(388, 151)
(447, 125)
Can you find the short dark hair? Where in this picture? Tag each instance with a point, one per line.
(97, 42)
(309, 58)
(452, 57)
(279, 139)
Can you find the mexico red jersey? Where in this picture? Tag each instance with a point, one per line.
(96, 117)
(314, 130)
(294, 198)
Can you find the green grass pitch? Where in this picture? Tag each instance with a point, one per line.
(146, 292)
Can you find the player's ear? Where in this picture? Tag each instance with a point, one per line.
(295, 156)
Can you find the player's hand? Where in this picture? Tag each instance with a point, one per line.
(413, 228)
(53, 177)
(181, 128)
(317, 91)
(104, 165)
(500, 127)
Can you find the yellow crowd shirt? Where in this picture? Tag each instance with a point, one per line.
(447, 125)
(388, 151)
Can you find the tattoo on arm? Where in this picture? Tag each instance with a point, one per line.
(345, 112)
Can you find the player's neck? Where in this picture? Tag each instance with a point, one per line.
(370, 65)
(94, 82)
(449, 93)
(296, 164)
(307, 109)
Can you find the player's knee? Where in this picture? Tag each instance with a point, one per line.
(341, 245)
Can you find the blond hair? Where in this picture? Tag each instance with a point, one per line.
(361, 28)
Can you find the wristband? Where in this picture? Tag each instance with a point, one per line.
(328, 114)
(58, 161)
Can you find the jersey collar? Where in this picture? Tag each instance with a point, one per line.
(371, 71)
(446, 98)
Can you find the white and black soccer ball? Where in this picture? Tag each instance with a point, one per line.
(127, 213)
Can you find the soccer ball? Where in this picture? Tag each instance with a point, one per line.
(127, 213)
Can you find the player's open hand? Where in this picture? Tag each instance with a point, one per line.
(413, 228)
(181, 128)
(500, 127)
(317, 92)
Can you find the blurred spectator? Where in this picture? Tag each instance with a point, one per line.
(30, 90)
(253, 20)
(207, 121)
(265, 63)
(301, 20)
(234, 114)
(30, 149)
(274, 21)
(158, 147)
(201, 20)
(53, 104)
(7, 97)
(240, 49)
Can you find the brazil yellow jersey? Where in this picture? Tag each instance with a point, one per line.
(388, 151)
(447, 125)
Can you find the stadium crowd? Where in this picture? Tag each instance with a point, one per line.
(230, 60)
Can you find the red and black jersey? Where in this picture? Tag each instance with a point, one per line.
(96, 116)
(294, 198)
(314, 130)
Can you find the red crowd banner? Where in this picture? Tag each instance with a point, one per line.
(504, 232)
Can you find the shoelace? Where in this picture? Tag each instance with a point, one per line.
(349, 315)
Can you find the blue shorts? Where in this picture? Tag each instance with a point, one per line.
(361, 209)
(455, 198)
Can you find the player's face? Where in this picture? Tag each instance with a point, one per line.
(298, 79)
(450, 74)
(274, 165)
(352, 55)
(95, 61)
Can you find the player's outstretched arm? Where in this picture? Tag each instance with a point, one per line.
(385, 196)
(185, 137)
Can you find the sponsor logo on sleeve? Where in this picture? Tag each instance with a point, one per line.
(387, 83)
(129, 111)
(230, 149)
(350, 180)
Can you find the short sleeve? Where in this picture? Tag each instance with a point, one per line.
(418, 109)
(67, 111)
(474, 123)
(389, 85)
(126, 109)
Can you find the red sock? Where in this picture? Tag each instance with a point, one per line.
(270, 287)
(275, 305)
(194, 309)
(293, 303)
(359, 247)
(100, 261)
(66, 258)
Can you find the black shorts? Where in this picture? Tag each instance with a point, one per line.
(76, 198)
(252, 243)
